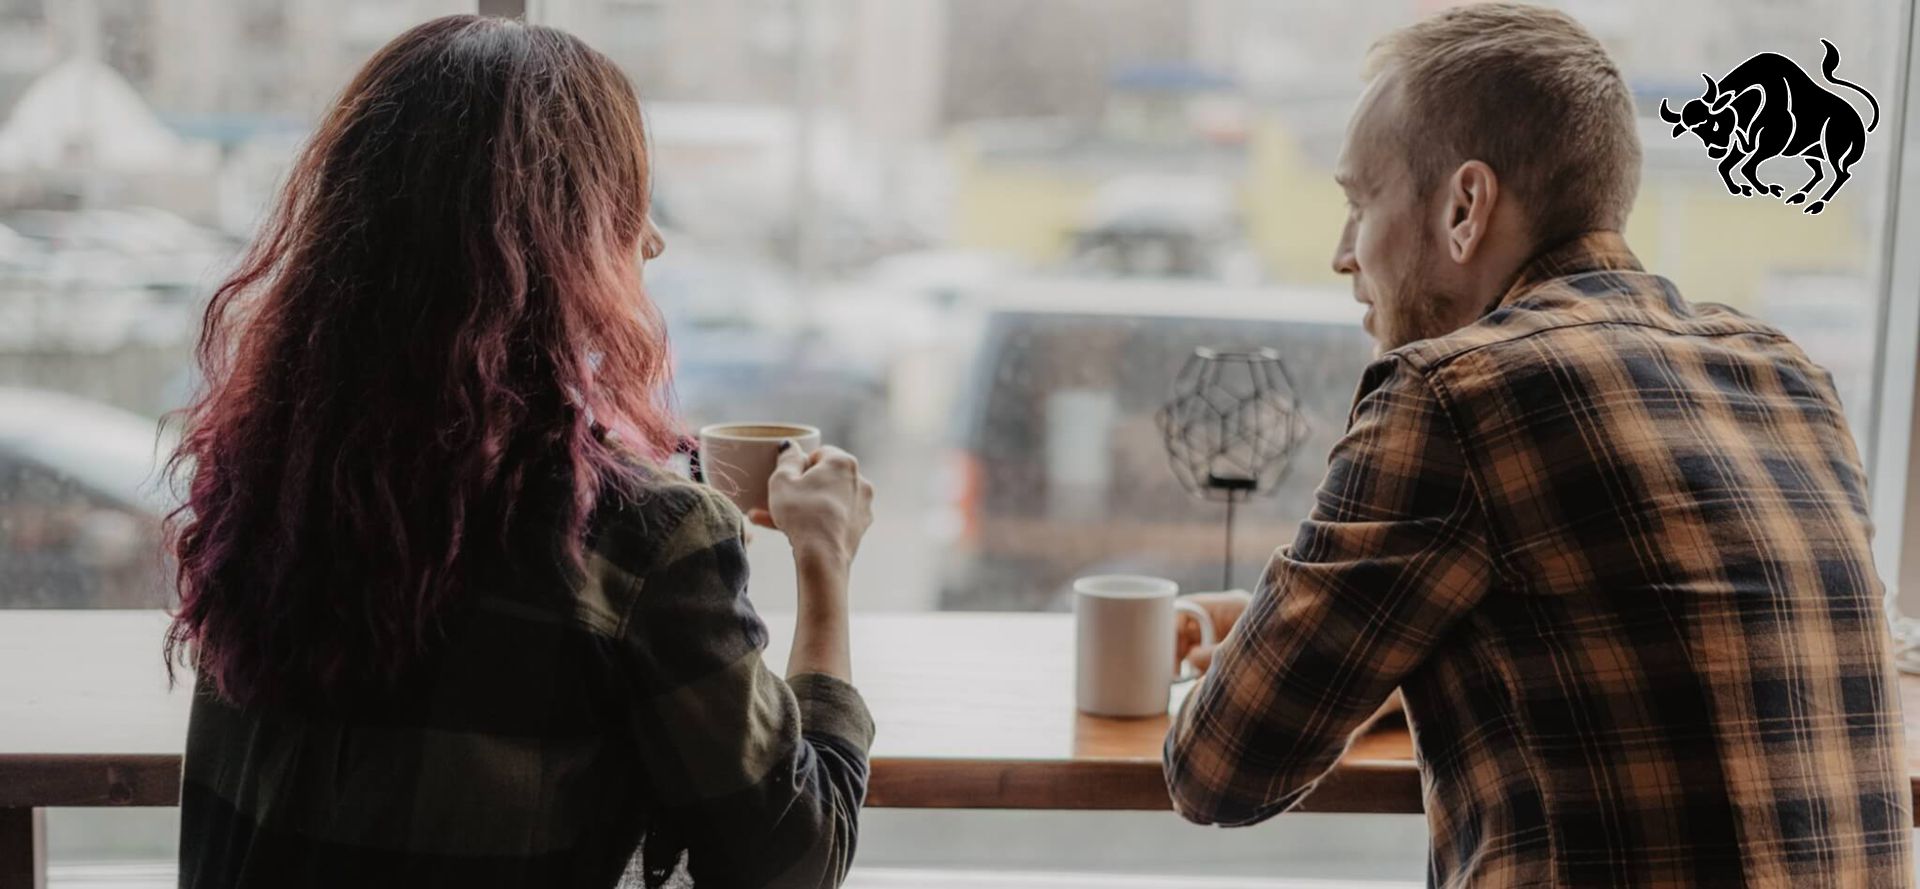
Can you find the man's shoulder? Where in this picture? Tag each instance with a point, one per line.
(1598, 309)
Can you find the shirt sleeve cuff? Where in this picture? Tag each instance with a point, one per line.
(833, 707)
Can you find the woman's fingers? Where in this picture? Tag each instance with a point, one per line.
(792, 461)
(762, 518)
(833, 459)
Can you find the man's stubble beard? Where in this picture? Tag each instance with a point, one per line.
(1418, 309)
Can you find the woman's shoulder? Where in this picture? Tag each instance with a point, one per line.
(659, 517)
(666, 539)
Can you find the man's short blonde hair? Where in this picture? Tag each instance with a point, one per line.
(1531, 93)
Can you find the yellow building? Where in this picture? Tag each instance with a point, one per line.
(1715, 247)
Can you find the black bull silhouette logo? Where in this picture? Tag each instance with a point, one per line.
(1767, 107)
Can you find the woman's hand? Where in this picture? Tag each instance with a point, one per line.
(1225, 609)
(820, 501)
(823, 505)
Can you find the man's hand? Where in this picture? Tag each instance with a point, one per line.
(1225, 609)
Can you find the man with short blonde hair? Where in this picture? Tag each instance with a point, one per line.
(1531, 93)
(1612, 547)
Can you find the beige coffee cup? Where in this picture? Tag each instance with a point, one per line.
(737, 459)
(1124, 642)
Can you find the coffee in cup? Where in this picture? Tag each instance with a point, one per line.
(738, 459)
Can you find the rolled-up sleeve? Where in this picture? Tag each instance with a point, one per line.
(1390, 559)
(760, 778)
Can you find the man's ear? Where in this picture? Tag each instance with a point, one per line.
(1472, 192)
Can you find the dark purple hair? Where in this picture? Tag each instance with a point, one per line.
(432, 362)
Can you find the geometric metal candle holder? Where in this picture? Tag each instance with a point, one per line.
(1231, 427)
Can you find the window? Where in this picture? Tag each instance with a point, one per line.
(929, 230)
(973, 240)
(983, 229)
(1007, 210)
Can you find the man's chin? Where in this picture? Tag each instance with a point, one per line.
(1380, 344)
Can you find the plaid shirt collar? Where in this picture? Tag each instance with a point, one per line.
(1594, 251)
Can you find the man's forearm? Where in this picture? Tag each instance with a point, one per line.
(820, 643)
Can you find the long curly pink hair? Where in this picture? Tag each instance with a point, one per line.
(428, 369)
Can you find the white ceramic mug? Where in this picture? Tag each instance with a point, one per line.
(1124, 642)
(738, 459)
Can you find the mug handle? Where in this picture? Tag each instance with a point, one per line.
(1207, 637)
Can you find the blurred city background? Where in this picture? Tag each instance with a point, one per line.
(973, 240)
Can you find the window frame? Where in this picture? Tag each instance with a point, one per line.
(1893, 442)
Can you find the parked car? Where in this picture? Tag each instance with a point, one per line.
(1058, 469)
(80, 504)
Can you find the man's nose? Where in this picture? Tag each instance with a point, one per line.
(1343, 260)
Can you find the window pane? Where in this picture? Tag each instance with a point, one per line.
(139, 142)
(1019, 219)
